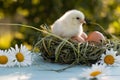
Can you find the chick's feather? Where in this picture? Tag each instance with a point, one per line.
(69, 25)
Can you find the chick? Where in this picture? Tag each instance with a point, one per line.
(70, 26)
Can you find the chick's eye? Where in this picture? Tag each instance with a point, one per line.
(77, 18)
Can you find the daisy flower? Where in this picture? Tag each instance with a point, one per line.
(22, 56)
(5, 59)
(110, 58)
(96, 71)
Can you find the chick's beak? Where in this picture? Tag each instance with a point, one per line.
(83, 21)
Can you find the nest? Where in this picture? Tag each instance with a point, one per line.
(58, 50)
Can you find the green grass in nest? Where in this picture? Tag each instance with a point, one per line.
(58, 50)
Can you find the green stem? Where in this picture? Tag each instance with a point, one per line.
(104, 30)
(12, 24)
(44, 31)
(63, 69)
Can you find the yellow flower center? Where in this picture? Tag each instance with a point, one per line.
(109, 59)
(95, 73)
(3, 59)
(20, 57)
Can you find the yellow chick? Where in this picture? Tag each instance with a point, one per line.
(70, 26)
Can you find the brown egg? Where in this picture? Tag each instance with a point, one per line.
(80, 38)
(77, 39)
(96, 37)
(84, 36)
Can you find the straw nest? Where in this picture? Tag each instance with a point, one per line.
(58, 50)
